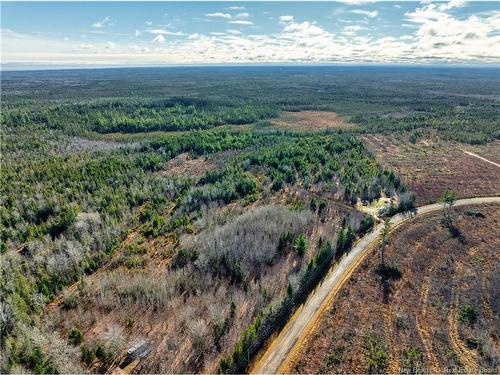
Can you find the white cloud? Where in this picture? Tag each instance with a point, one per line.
(159, 39)
(286, 19)
(137, 33)
(228, 16)
(148, 23)
(164, 32)
(219, 14)
(436, 35)
(366, 13)
(110, 45)
(104, 22)
(446, 5)
(450, 5)
(141, 49)
(406, 37)
(241, 22)
(409, 25)
(235, 8)
(242, 15)
(441, 34)
(304, 29)
(351, 30)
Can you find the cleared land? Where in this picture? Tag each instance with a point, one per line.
(431, 165)
(482, 158)
(490, 151)
(439, 310)
(312, 121)
(185, 165)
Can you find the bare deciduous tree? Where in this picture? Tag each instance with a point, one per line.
(384, 234)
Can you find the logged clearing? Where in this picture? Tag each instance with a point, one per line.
(436, 312)
(430, 166)
(311, 121)
(184, 165)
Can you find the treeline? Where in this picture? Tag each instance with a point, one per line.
(338, 163)
(205, 142)
(43, 194)
(476, 123)
(133, 116)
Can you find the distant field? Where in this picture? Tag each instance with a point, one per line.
(311, 121)
(431, 165)
(442, 313)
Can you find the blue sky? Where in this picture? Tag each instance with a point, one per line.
(155, 33)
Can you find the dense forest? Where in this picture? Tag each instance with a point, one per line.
(72, 193)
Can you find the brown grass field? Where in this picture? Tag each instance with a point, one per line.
(422, 324)
(432, 165)
(311, 121)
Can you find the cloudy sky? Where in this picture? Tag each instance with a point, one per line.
(156, 33)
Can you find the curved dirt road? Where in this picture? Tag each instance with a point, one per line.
(284, 347)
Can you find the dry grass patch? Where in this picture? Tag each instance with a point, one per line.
(184, 165)
(311, 121)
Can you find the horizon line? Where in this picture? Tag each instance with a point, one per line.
(11, 67)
